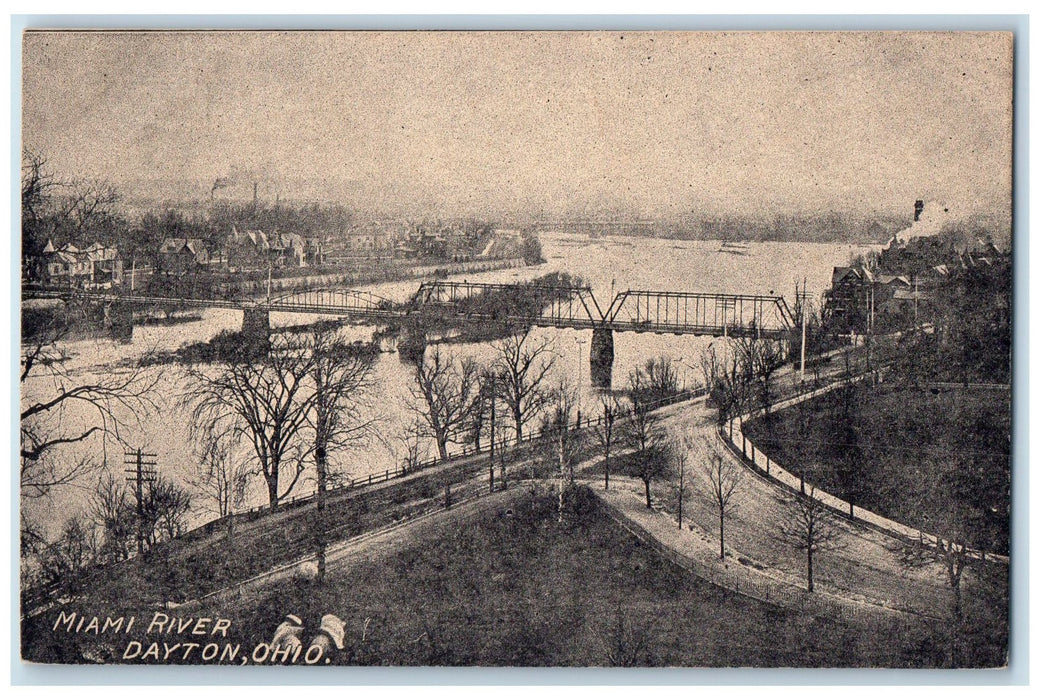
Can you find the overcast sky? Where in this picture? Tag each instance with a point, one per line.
(656, 122)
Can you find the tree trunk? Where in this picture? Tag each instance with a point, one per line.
(722, 535)
(680, 503)
(808, 552)
(442, 447)
(272, 490)
(321, 464)
(491, 461)
(646, 482)
(606, 470)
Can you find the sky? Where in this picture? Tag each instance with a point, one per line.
(655, 124)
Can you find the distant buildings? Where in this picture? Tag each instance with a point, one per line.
(903, 283)
(182, 255)
(93, 267)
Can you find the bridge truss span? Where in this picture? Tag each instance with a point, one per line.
(336, 302)
(526, 304)
(700, 313)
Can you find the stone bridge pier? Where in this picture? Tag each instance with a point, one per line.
(119, 320)
(256, 325)
(601, 357)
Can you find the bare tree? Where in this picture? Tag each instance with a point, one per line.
(221, 476)
(61, 408)
(678, 452)
(644, 436)
(264, 399)
(340, 374)
(445, 393)
(116, 516)
(164, 510)
(563, 443)
(64, 563)
(606, 433)
(761, 358)
(954, 525)
(809, 527)
(523, 367)
(724, 478)
(485, 416)
(727, 381)
(411, 442)
(657, 378)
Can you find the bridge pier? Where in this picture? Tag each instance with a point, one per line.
(119, 321)
(256, 325)
(601, 357)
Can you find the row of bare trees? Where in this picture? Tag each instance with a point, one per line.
(456, 400)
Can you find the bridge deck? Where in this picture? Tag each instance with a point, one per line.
(643, 311)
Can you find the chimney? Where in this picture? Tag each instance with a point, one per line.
(918, 208)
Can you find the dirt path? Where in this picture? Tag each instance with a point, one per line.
(347, 553)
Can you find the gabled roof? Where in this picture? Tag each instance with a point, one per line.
(840, 274)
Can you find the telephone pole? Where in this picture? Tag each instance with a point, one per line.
(803, 298)
(143, 472)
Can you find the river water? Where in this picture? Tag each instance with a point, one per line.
(609, 265)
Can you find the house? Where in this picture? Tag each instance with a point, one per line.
(314, 250)
(848, 298)
(287, 250)
(180, 255)
(374, 239)
(92, 267)
(247, 250)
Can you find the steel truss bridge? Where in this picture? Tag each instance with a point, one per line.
(639, 311)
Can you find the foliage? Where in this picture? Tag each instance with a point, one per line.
(531, 248)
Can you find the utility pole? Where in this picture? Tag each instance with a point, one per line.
(143, 472)
(491, 462)
(803, 299)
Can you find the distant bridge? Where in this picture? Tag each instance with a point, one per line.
(518, 305)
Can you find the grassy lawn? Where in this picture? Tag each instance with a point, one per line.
(924, 455)
(523, 588)
(519, 587)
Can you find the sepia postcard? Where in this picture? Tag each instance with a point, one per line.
(516, 348)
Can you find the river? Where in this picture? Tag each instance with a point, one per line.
(609, 264)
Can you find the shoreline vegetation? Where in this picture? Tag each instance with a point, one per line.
(411, 338)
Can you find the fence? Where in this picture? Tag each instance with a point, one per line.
(505, 446)
(733, 437)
